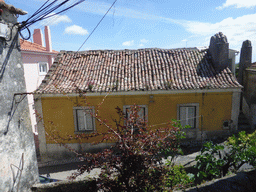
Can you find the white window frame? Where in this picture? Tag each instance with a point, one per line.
(39, 67)
(125, 107)
(196, 105)
(88, 110)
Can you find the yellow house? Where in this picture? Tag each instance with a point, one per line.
(192, 85)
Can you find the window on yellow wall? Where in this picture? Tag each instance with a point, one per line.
(188, 114)
(143, 112)
(83, 119)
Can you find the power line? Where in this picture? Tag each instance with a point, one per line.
(44, 12)
(97, 25)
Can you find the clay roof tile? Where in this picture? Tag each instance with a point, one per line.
(132, 70)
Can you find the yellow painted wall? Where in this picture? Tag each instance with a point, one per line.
(214, 107)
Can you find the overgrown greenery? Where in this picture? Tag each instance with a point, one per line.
(215, 161)
(177, 178)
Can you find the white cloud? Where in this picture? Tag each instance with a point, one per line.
(99, 7)
(236, 29)
(56, 19)
(238, 4)
(75, 30)
(143, 40)
(128, 43)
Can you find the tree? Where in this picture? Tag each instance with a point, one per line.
(134, 162)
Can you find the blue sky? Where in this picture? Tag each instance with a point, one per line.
(133, 24)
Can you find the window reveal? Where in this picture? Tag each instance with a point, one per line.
(84, 120)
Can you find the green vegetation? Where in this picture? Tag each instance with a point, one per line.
(177, 178)
(215, 162)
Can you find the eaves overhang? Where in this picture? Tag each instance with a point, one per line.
(39, 52)
(157, 92)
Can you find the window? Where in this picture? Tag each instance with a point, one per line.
(143, 113)
(83, 119)
(43, 68)
(188, 114)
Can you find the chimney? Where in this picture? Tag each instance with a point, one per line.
(245, 59)
(38, 37)
(48, 40)
(219, 50)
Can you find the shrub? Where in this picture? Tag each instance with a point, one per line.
(134, 162)
(208, 164)
(214, 161)
(177, 178)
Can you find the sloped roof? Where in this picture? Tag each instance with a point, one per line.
(134, 70)
(29, 46)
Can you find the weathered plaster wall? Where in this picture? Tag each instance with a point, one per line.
(33, 80)
(235, 110)
(18, 165)
(249, 84)
(57, 114)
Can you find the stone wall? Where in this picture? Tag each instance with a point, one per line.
(18, 164)
(242, 182)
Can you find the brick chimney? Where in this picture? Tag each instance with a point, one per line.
(38, 37)
(245, 59)
(219, 50)
(48, 40)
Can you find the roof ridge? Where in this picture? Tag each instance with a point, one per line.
(129, 50)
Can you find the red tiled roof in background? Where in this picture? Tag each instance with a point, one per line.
(29, 46)
(135, 70)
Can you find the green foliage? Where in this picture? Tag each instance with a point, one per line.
(177, 178)
(208, 165)
(243, 149)
(214, 162)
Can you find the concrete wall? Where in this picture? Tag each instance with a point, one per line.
(31, 61)
(33, 80)
(18, 164)
(249, 82)
(253, 122)
(242, 182)
(249, 95)
(232, 58)
(56, 113)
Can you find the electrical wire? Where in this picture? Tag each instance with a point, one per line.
(97, 25)
(14, 107)
(44, 12)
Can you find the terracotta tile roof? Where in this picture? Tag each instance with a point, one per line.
(29, 46)
(133, 70)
